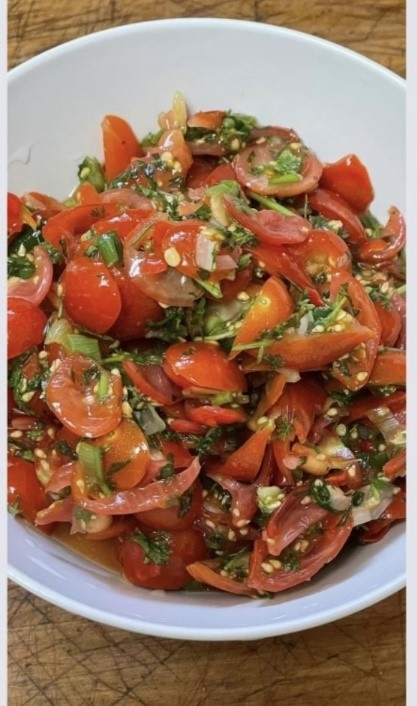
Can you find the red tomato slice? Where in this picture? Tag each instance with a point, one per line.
(272, 306)
(63, 229)
(244, 463)
(120, 145)
(36, 288)
(325, 549)
(152, 382)
(25, 326)
(91, 296)
(390, 368)
(258, 156)
(24, 492)
(202, 365)
(126, 455)
(212, 415)
(182, 548)
(176, 517)
(333, 206)
(136, 309)
(280, 261)
(157, 494)
(208, 572)
(355, 371)
(391, 242)
(72, 396)
(349, 178)
(321, 255)
(271, 227)
(390, 321)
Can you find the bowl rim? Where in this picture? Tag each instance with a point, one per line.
(166, 630)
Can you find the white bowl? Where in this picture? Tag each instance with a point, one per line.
(339, 102)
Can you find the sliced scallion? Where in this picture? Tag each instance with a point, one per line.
(77, 343)
(110, 248)
(91, 460)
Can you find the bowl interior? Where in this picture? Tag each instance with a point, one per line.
(339, 103)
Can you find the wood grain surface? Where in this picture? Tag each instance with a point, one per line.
(59, 659)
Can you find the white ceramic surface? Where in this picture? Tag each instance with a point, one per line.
(339, 102)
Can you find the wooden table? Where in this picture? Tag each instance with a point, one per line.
(59, 659)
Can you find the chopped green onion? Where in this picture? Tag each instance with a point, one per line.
(110, 248)
(212, 288)
(103, 385)
(91, 460)
(289, 178)
(77, 343)
(271, 203)
(91, 171)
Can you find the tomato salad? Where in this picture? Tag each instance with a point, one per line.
(206, 349)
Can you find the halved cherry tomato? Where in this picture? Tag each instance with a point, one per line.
(390, 368)
(244, 463)
(389, 244)
(355, 371)
(180, 516)
(271, 306)
(325, 547)
(120, 145)
(202, 365)
(25, 326)
(209, 573)
(152, 382)
(25, 494)
(256, 158)
(72, 395)
(91, 296)
(331, 205)
(136, 309)
(349, 178)
(321, 255)
(157, 494)
(36, 288)
(125, 455)
(271, 227)
(168, 570)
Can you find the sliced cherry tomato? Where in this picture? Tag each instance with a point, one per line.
(390, 368)
(210, 573)
(152, 382)
(91, 296)
(157, 494)
(389, 244)
(73, 394)
(323, 549)
(159, 560)
(180, 516)
(321, 255)
(25, 494)
(279, 261)
(125, 455)
(271, 227)
(390, 320)
(136, 309)
(35, 288)
(254, 171)
(202, 365)
(120, 145)
(212, 415)
(272, 306)
(349, 178)
(17, 215)
(354, 372)
(331, 205)
(63, 229)
(25, 326)
(244, 463)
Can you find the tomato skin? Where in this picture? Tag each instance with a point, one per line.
(170, 518)
(390, 368)
(272, 306)
(36, 288)
(91, 295)
(270, 227)
(349, 178)
(390, 320)
(212, 415)
(135, 312)
(244, 463)
(202, 365)
(391, 242)
(126, 444)
(326, 548)
(25, 326)
(120, 145)
(208, 572)
(74, 401)
(331, 205)
(24, 488)
(186, 547)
